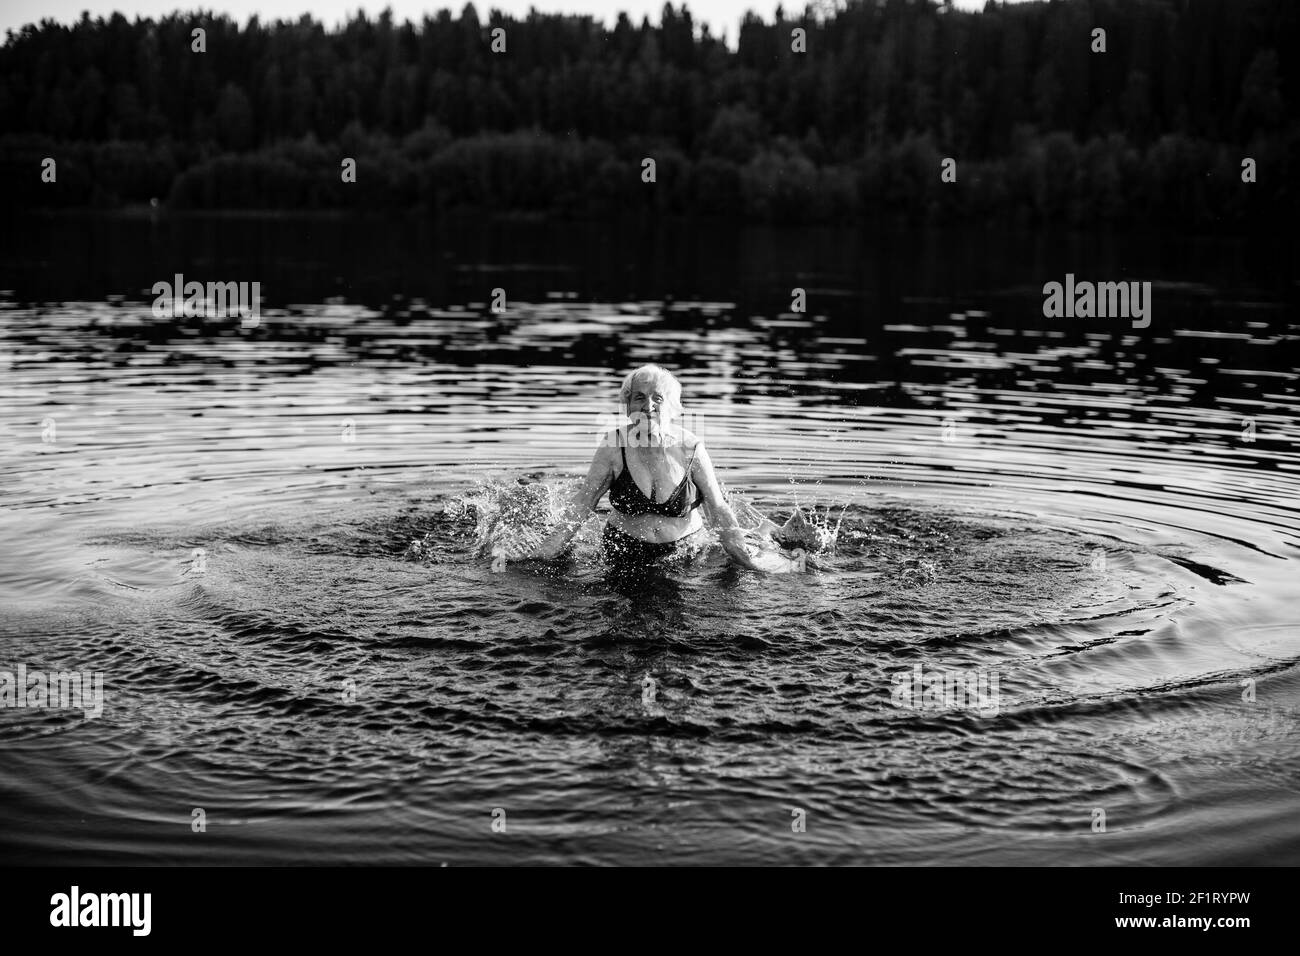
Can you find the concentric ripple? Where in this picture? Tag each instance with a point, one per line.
(1071, 524)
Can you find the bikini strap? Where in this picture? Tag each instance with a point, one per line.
(699, 494)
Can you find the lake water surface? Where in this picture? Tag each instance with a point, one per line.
(217, 518)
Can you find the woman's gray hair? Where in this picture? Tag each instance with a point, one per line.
(672, 389)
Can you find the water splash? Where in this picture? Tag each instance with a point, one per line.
(510, 517)
(810, 531)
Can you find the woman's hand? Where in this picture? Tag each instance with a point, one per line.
(733, 542)
(576, 511)
(549, 549)
(718, 512)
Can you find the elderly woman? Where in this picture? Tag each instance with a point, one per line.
(658, 475)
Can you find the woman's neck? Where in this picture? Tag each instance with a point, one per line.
(652, 445)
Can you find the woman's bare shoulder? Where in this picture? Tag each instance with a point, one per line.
(698, 450)
(688, 440)
(608, 455)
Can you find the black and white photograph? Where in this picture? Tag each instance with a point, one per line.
(614, 433)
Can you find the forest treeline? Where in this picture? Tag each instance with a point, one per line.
(1041, 127)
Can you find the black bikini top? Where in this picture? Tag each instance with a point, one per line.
(631, 500)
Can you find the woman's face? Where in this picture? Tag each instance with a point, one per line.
(651, 401)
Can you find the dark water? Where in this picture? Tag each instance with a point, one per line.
(1102, 518)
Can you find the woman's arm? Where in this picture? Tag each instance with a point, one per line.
(599, 477)
(719, 512)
